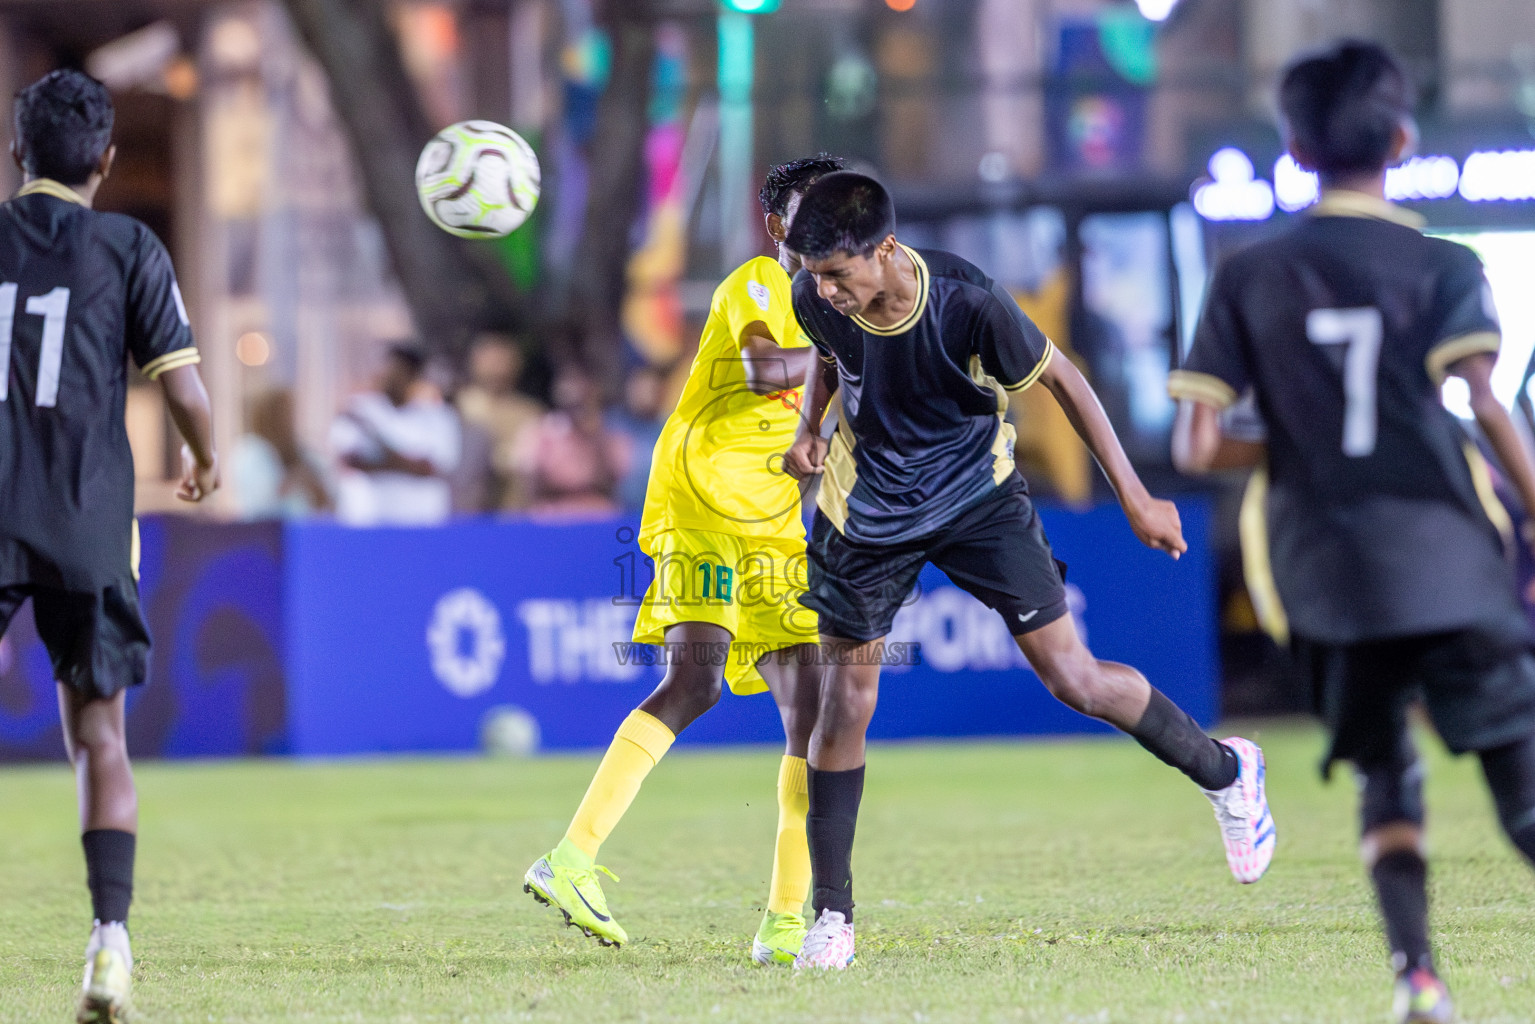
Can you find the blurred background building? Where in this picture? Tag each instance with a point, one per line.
(1094, 156)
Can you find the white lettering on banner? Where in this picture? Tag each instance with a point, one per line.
(573, 641)
(1232, 192)
(466, 670)
(1484, 176)
(957, 633)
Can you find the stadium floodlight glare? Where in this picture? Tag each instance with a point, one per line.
(751, 6)
(1156, 10)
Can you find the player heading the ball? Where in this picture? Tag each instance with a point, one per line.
(924, 351)
(722, 525)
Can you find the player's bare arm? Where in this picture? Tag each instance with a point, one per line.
(1497, 425)
(187, 400)
(1199, 445)
(806, 457)
(1154, 521)
(769, 366)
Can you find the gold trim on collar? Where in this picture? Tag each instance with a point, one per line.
(49, 187)
(1345, 203)
(910, 319)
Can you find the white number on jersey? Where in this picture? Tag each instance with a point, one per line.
(53, 308)
(1360, 332)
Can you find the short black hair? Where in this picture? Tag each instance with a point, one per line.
(409, 353)
(64, 122)
(1342, 106)
(842, 212)
(795, 176)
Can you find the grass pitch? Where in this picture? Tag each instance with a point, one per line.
(1059, 882)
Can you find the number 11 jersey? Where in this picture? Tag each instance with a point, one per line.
(1381, 516)
(80, 293)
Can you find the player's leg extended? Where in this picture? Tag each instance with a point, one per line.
(95, 739)
(1231, 773)
(567, 877)
(793, 675)
(1391, 846)
(849, 692)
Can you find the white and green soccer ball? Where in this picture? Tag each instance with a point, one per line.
(478, 179)
(507, 730)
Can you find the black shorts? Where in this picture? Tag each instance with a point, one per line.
(1479, 690)
(98, 643)
(996, 550)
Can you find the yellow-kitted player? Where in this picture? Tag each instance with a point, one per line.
(722, 526)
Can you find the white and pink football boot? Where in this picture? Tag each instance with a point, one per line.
(1242, 809)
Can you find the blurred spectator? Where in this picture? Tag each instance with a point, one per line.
(570, 458)
(274, 475)
(499, 413)
(639, 420)
(398, 445)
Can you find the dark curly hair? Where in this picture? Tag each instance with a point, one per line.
(64, 122)
(795, 176)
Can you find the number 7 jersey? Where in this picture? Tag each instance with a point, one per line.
(81, 293)
(1381, 516)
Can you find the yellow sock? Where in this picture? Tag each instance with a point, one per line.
(639, 743)
(791, 858)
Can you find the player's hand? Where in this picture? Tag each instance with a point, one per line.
(1158, 525)
(806, 457)
(197, 481)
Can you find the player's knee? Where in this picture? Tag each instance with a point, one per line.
(1077, 682)
(100, 738)
(846, 704)
(693, 688)
(1390, 807)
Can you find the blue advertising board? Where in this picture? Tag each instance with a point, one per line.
(319, 640)
(211, 595)
(405, 639)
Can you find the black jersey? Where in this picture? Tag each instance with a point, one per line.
(1380, 513)
(922, 435)
(80, 292)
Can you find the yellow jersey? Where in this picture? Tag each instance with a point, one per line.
(718, 465)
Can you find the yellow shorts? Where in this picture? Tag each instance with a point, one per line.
(747, 585)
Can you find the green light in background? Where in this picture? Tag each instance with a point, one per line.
(751, 6)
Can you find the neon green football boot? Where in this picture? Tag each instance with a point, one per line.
(779, 938)
(573, 889)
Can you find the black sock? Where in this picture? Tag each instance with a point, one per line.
(1401, 885)
(109, 872)
(829, 827)
(1176, 739)
(1510, 772)
(1524, 841)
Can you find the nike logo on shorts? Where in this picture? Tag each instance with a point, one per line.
(1026, 618)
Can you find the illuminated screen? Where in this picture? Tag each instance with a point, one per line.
(1510, 260)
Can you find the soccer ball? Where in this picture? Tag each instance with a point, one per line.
(478, 179)
(509, 731)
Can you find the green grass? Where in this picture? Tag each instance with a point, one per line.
(1059, 882)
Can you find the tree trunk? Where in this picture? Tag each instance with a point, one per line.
(616, 179)
(453, 286)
